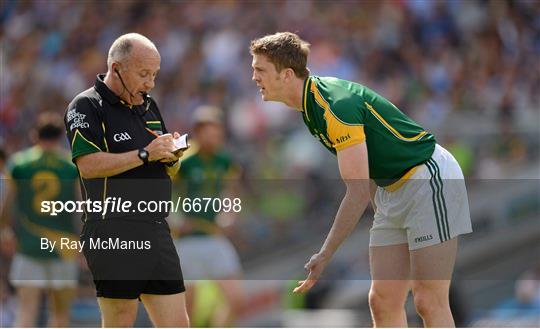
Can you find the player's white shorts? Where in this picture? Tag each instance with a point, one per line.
(429, 208)
(207, 257)
(43, 273)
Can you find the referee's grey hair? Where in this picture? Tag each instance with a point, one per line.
(121, 47)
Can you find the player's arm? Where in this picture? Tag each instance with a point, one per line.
(353, 168)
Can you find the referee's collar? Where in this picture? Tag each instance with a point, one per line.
(104, 91)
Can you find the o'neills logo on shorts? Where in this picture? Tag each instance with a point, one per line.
(423, 238)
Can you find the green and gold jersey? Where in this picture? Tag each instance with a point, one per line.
(205, 177)
(42, 176)
(341, 113)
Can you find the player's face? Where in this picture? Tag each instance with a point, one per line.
(140, 73)
(267, 78)
(210, 136)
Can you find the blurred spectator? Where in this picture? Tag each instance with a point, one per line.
(434, 58)
(468, 69)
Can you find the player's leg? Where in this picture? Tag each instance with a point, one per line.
(234, 297)
(390, 285)
(190, 250)
(166, 310)
(60, 303)
(29, 278)
(62, 281)
(227, 269)
(117, 312)
(191, 293)
(28, 301)
(441, 214)
(431, 271)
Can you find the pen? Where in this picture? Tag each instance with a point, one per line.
(151, 131)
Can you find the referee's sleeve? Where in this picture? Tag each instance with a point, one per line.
(84, 128)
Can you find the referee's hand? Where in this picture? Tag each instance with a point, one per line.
(161, 147)
(315, 266)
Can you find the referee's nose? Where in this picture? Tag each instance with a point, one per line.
(149, 84)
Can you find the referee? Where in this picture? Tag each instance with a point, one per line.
(123, 153)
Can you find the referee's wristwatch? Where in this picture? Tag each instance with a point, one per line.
(143, 155)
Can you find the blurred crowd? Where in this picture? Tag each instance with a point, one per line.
(433, 59)
(467, 70)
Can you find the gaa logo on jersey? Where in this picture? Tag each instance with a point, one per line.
(121, 137)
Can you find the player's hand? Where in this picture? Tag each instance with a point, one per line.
(161, 148)
(315, 266)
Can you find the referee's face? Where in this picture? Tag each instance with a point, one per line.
(139, 77)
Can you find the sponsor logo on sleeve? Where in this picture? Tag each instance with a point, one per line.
(76, 119)
(343, 139)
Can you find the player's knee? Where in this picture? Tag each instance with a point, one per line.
(381, 302)
(184, 322)
(428, 301)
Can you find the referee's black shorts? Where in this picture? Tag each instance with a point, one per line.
(132, 257)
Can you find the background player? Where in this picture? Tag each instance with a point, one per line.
(41, 173)
(203, 246)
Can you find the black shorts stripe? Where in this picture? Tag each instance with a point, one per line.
(435, 208)
(447, 224)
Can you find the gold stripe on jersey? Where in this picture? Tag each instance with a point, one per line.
(104, 194)
(305, 97)
(85, 197)
(391, 129)
(104, 139)
(78, 133)
(319, 99)
(340, 133)
(396, 185)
